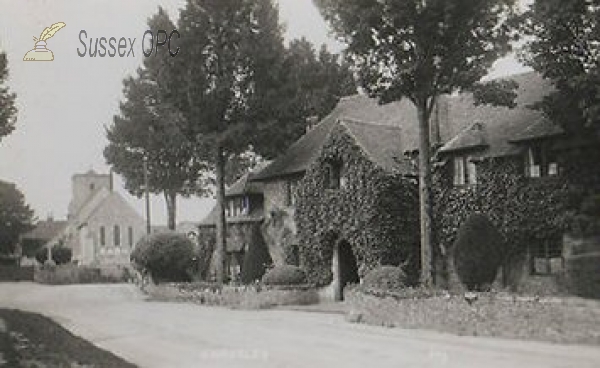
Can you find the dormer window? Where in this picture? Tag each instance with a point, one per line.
(464, 171)
(540, 162)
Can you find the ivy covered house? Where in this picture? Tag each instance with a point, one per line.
(357, 206)
(517, 168)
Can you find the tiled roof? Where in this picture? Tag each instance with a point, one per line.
(46, 230)
(383, 144)
(472, 137)
(356, 108)
(256, 215)
(245, 184)
(500, 124)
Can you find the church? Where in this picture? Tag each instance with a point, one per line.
(102, 228)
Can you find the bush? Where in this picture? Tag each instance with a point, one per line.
(385, 278)
(478, 252)
(256, 261)
(168, 257)
(583, 275)
(285, 275)
(60, 255)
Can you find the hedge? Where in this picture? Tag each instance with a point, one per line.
(583, 275)
(168, 257)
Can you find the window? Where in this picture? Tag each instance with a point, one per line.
(546, 256)
(334, 176)
(117, 236)
(237, 206)
(102, 236)
(290, 196)
(465, 171)
(540, 162)
(130, 236)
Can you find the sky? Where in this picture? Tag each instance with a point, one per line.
(65, 105)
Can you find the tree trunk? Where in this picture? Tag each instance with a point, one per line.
(221, 225)
(425, 195)
(171, 201)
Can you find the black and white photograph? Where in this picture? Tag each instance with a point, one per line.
(300, 183)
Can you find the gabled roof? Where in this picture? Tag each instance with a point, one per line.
(245, 184)
(470, 138)
(383, 144)
(46, 230)
(500, 124)
(353, 108)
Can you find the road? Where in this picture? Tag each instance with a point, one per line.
(155, 334)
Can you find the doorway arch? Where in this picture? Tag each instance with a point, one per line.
(344, 268)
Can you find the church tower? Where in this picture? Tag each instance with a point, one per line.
(84, 187)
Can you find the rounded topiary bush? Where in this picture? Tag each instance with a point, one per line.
(478, 252)
(60, 255)
(285, 275)
(168, 257)
(386, 278)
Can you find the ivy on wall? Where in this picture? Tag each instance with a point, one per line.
(523, 209)
(376, 212)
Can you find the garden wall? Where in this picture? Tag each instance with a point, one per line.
(233, 297)
(71, 274)
(564, 320)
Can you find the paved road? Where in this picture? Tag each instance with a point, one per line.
(152, 334)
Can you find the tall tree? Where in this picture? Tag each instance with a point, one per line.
(565, 47)
(148, 128)
(421, 49)
(8, 110)
(230, 52)
(16, 217)
(308, 87)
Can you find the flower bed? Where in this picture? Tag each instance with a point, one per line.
(254, 297)
(562, 320)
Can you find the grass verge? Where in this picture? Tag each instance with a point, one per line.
(32, 340)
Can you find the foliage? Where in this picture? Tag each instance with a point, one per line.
(73, 274)
(564, 46)
(375, 213)
(385, 278)
(147, 129)
(8, 110)
(60, 255)
(478, 252)
(16, 217)
(583, 275)
(586, 219)
(256, 261)
(168, 257)
(285, 275)
(420, 50)
(308, 87)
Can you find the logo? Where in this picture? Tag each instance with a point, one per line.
(40, 52)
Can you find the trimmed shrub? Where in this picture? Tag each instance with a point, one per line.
(583, 275)
(386, 278)
(168, 257)
(478, 252)
(60, 255)
(256, 261)
(285, 275)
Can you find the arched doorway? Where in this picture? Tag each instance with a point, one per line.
(345, 268)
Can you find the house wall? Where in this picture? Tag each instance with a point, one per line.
(376, 212)
(525, 210)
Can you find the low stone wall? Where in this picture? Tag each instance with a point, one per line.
(563, 320)
(72, 274)
(233, 297)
